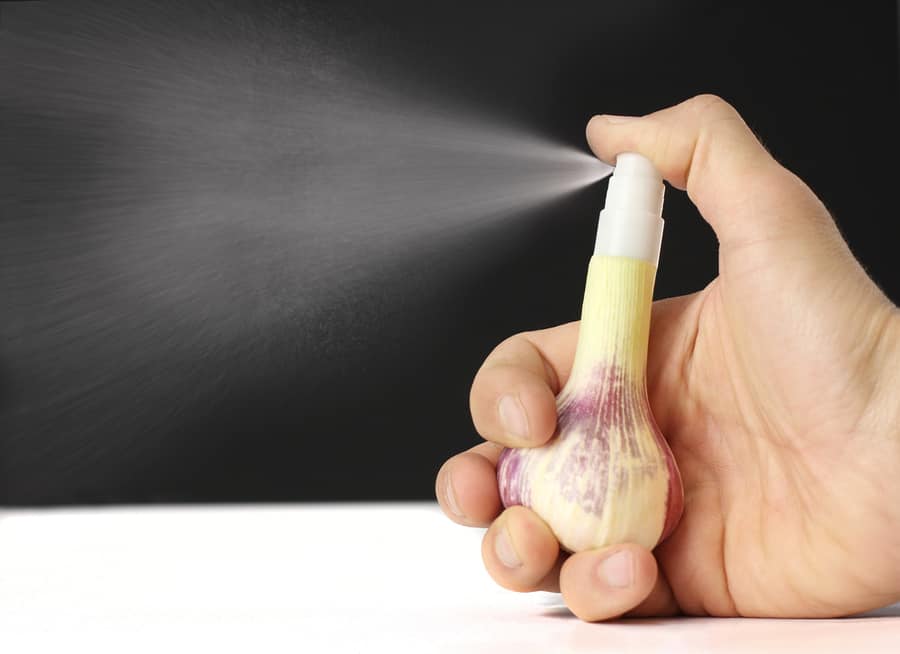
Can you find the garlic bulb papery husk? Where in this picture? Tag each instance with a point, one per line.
(608, 476)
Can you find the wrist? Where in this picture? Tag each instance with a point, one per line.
(885, 405)
(884, 415)
(889, 359)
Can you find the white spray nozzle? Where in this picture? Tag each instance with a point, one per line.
(631, 224)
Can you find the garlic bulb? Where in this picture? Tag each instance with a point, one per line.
(608, 475)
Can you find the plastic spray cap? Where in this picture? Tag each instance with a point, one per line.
(631, 224)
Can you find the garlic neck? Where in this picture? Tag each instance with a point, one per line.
(615, 318)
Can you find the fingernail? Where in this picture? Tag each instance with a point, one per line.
(617, 570)
(512, 415)
(616, 120)
(504, 550)
(450, 497)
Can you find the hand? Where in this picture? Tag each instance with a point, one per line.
(777, 386)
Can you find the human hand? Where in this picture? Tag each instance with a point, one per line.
(777, 387)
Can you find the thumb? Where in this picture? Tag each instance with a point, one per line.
(703, 146)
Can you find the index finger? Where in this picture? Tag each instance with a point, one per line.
(704, 146)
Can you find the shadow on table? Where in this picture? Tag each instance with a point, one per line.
(555, 608)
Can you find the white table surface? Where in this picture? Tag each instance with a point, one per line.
(321, 578)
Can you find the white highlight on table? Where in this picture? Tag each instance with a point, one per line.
(319, 578)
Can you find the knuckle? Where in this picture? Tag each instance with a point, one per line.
(661, 142)
(517, 517)
(505, 350)
(509, 346)
(476, 404)
(475, 396)
(710, 105)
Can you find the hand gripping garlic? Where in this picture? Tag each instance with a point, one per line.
(607, 476)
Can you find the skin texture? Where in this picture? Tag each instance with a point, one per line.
(776, 386)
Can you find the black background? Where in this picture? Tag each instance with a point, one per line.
(364, 399)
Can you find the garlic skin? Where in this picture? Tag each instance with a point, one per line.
(608, 475)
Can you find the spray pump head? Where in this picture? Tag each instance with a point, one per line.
(631, 224)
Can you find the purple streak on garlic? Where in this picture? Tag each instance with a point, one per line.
(512, 482)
